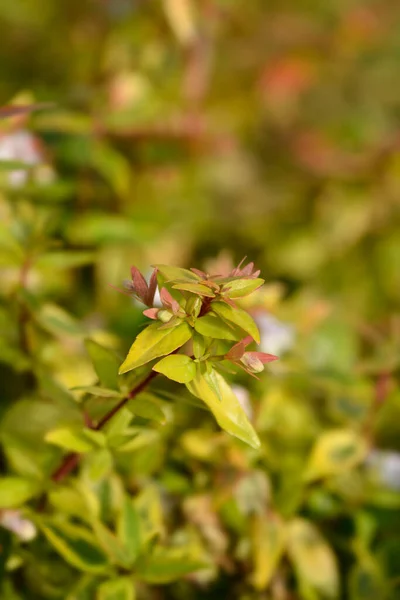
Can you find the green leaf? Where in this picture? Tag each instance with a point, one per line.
(111, 544)
(199, 345)
(95, 390)
(150, 514)
(178, 367)
(14, 491)
(227, 410)
(70, 439)
(237, 316)
(121, 588)
(154, 342)
(335, 452)
(241, 287)
(147, 406)
(57, 321)
(138, 441)
(77, 546)
(195, 288)
(213, 326)
(65, 259)
(314, 561)
(165, 565)
(268, 538)
(128, 528)
(177, 273)
(105, 364)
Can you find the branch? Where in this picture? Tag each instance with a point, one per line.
(71, 461)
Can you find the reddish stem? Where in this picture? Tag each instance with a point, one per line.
(71, 461)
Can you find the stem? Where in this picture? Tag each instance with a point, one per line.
(71, 461)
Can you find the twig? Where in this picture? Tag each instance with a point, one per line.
(71, 461)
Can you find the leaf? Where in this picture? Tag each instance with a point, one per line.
(195, 288)
(213, 326)
(241, 287)
(154, 342)
(199, 345)
(177, 273)
(268, 541)
(138, 441)
(96, 390)
(76, 545)
(65, 259)
(179, 367)
(314, 561)
(147, 406)
(167, 564)
(70, 439)
(128, 528)
(121, 588)
(111, 545)
(227, 410)
(15, 491)
(237, 316)
(57, 321)
(150, 514)
(334, 452)
(105, 364)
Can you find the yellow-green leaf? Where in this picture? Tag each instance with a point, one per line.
(171, 273)
(242, 287)
(335, 452)
(226, 408)
(70, 439)
(76, 545)
(177, 367)
(121, 588)
(14, 491)
(164, 565)
(237, 316)
(196, 288)
(213, 326)
(154, 342)
(105, 364)
(314, 561)
(268, 537)
(128, 528)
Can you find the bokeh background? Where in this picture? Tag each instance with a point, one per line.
(196, 132)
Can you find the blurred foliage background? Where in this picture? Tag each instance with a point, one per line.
(194, 132)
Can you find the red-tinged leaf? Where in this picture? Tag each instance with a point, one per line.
(199, 273)
(152, 287)
(236, 352)
(139, 283)
(169, 301)
(152, 313)
(264, 357)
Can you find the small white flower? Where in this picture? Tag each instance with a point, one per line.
(12, 520)
(276, 337)
(387, 466)
(20, 146)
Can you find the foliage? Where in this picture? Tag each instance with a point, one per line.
(138, 142)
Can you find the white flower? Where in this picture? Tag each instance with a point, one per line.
(20, 146)
(12, 520)
(276, 337)
(387, 466)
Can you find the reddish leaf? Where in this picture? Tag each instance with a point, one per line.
(152, 313)
(140, 284)
(152, 287)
